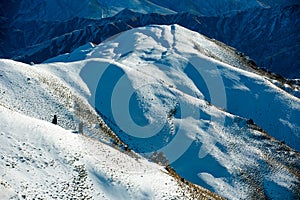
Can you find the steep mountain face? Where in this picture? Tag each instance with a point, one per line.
(170, 90)
(269, 35)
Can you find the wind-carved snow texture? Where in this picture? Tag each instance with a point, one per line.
(167, 89)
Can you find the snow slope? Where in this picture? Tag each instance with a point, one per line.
(171, 90)
(39, 159)
(42, 160)
(174, 54)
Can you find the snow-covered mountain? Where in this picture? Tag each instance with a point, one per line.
(219, 123)
(41, 160)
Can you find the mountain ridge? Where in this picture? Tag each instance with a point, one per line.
(245, 40)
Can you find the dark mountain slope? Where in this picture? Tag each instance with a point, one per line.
(269, 36)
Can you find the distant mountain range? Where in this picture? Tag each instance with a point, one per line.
(61, 10)
(268, 34)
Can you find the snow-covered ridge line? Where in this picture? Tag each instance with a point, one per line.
(209, 48)
(154, 74)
